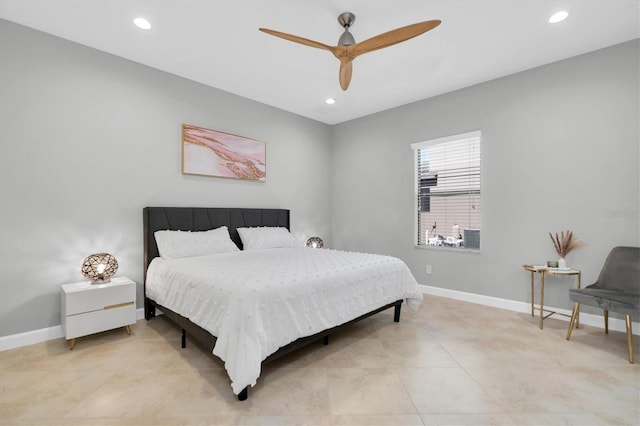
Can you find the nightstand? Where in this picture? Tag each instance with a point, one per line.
(91, 308)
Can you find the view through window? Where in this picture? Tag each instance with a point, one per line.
(448, 191)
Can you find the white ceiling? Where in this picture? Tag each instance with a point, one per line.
(217, 43)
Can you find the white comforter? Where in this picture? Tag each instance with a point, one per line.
(257, 301)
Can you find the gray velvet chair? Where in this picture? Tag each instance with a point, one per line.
(617, 289)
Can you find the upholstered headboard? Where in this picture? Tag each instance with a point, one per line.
(202, 219)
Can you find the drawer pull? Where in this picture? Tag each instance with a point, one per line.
(119, 305)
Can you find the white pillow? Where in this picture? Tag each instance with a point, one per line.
(178, 244)
(265, 237)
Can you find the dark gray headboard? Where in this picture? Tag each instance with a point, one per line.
(202, 219)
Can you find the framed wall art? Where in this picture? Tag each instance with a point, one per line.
(208, 152)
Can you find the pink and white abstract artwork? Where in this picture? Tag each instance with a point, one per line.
(210, 153)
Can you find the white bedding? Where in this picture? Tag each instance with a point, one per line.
(254, 302)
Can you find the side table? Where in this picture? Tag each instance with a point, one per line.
(91, 308)
(543, 271)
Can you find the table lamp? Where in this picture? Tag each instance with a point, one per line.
(315, 242)
(99, 268)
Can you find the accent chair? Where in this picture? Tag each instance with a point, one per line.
(617, 289)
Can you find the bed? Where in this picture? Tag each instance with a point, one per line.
(253, 305)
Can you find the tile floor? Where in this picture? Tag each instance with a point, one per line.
(449, 363)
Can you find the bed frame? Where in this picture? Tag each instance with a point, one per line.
(202, 219)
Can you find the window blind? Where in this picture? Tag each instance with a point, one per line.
(448, 176)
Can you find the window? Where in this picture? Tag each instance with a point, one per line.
(448, 191)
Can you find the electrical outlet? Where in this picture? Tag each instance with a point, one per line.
(428, 269)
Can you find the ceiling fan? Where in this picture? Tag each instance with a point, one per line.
(347, 49)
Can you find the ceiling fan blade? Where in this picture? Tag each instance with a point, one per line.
(346, 68)
(297, 39)
(393, 37)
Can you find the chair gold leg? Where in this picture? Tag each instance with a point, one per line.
(629, 339)
(574, 314)
(578, 316)
(606, 320)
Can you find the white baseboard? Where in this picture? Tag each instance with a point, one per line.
(36, 336)
(525, 307)
(30, 337)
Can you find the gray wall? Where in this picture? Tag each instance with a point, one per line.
(88, 139)
(560, 151)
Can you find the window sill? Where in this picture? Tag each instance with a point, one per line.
(447, 249)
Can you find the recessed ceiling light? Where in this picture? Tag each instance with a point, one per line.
(330, 101)
(142, 23)
(558, 17)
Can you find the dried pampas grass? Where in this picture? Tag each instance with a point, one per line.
(565, 243)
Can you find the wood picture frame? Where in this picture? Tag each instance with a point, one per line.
(207, 152)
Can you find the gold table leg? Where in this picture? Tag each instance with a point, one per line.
(541, 299)
(72, 342)
(532, 296)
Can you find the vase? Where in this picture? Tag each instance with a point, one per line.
(562, 264)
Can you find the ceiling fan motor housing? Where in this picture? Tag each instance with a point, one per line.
(346, 39)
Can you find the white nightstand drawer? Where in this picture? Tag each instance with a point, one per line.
(104, 319)
(86, 297)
